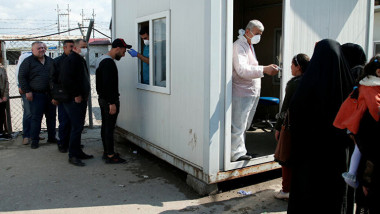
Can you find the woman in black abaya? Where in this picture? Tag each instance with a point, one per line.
(319, 150)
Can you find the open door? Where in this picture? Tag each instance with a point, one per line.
(268, 51)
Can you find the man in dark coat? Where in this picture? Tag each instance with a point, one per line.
(59, 95)
(74, 76)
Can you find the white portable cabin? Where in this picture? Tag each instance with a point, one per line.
(184, 115)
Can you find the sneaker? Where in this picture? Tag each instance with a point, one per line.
(104, 157)
(6, 136)
(41, 138)
(282, 195)
(26, 141)
(115, 159)
(350, 179)
(34, 146)
(62, 149)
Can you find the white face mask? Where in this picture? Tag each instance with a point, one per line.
(255, 39)
(83, 52)
(146, 42)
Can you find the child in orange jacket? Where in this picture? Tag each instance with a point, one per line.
(354, 107)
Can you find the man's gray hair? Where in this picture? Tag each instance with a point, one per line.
(38, 42)
(255, 23)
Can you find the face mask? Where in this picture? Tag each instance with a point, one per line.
(254, 39)
(83, 52)
(146, 42)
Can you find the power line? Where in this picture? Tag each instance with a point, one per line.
(52, 34)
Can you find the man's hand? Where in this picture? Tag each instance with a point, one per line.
(132, 52)
(271, 69)
(78, 99)
(5, 99)
(20, 91)
(54, 102)
(29, 96)
(112, 109)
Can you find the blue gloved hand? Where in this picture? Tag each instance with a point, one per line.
(132, 52)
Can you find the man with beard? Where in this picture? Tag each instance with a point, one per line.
(107, 86)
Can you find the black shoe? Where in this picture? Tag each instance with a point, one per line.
(81, 146)
(104, 157)
(34, 145)
(244, 157)
(76, 161)
(62, 149)
(85, 156)
(115, 159)
(252, 155)
(6, 136)
(52, 141)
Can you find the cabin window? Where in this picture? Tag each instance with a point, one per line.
(376, 47)
(154, 72)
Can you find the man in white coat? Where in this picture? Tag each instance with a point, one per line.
(246, 86)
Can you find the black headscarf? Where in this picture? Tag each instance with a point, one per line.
(356, 58)
(318, 148)
(354, 54)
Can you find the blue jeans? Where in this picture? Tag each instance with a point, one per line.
(77, 114)
(64, 126)
(39, 106)
(27, 117)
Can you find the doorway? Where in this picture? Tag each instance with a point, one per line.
(268, 51)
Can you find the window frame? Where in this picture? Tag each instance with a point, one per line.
(151, 86)
(375, 43)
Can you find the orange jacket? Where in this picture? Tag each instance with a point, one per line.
(352, 110)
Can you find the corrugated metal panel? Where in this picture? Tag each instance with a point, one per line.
(307, 22)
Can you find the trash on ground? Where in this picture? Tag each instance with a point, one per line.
(242, 192)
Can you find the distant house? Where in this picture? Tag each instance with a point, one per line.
(97, 48)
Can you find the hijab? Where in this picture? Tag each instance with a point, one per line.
(325, 85)
(356, 58)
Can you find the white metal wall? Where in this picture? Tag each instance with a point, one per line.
(173, 122)
(307, 21)
(376, 24)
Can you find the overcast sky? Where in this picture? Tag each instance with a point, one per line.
(31, 17)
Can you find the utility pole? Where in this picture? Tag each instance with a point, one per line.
(59, 31)
(87, 19)
(93, 19)
(59, 23)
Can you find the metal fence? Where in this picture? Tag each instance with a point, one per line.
(11, 50)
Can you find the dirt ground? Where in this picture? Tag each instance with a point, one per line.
(42, 181)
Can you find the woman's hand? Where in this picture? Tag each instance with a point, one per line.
(277, 135)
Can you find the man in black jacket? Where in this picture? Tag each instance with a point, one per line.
(74, 76)
(34, 82)
(59, 95)
(107, 86)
